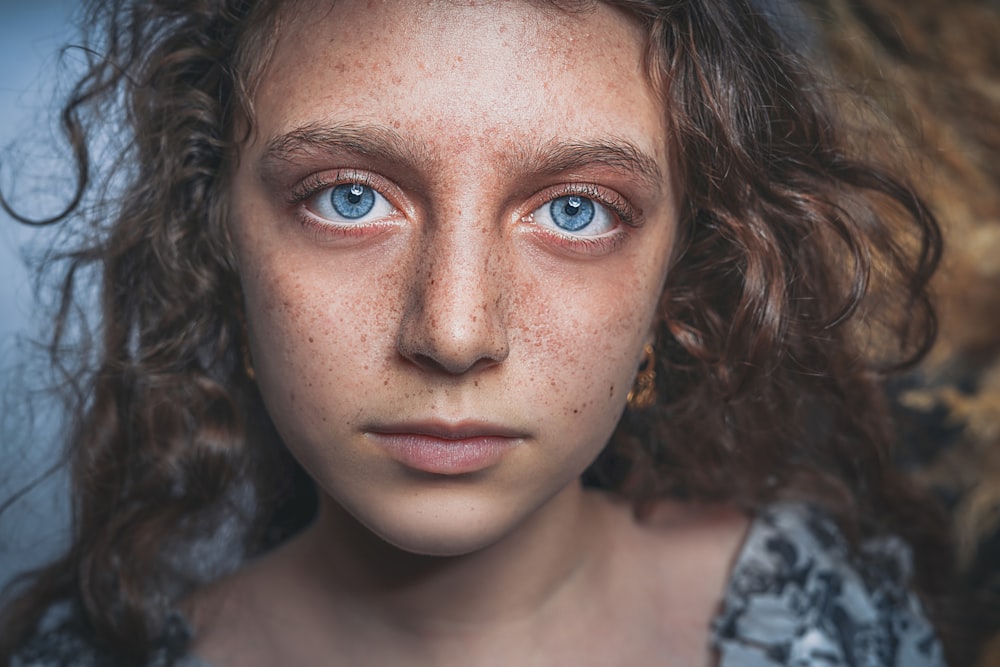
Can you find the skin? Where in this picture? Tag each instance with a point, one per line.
(456, 303)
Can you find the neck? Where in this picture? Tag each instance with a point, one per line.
(527, 574)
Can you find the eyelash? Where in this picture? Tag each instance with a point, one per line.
(316, 183)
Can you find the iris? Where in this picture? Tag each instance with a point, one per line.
(352, 200)
(572, 212)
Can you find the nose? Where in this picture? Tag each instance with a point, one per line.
(454, 320)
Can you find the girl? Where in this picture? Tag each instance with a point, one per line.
(572, 316)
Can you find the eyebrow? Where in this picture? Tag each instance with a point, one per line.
(315, 139)
(617, 154)
(386, 144)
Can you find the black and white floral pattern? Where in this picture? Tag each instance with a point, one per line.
(797, 597)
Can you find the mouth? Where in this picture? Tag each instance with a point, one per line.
(444, 448)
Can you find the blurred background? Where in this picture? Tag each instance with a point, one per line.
(931, 72)
(31, 37)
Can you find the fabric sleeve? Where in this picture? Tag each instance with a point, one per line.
(797, 596)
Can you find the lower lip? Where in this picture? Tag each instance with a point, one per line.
(442, 456)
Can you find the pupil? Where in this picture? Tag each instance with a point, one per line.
(572, 205)
(354, 196)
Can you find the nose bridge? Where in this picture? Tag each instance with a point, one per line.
(455, 319)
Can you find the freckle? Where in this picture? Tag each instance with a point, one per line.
(476, 383)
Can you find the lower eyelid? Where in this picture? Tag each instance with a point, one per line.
(328, 230)
(601, 244)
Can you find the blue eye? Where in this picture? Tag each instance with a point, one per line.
(350, 203)
(575, 214)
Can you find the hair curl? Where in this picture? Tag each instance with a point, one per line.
(800, 281)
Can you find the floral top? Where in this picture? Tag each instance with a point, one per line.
(796, 597)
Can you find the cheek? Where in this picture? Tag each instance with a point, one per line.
(317, 334)
(582, 341)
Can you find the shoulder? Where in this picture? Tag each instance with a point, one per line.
(64, 640)
(798, 595)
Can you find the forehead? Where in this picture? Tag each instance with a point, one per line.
(472, 70)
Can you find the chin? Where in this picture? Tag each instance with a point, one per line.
(438, 545)
(439, 529)
(439, 536)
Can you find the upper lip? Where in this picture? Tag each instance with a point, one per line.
(445, 430)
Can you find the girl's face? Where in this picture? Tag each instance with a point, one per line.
(453, 224)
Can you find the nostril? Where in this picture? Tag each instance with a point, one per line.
(451, 367)
(427, 362)
(436, 351)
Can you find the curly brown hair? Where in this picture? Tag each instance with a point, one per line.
(800, 282)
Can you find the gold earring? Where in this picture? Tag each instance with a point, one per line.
(643, 393)
(245, 352)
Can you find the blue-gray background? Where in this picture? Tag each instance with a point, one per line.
(31, 35)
